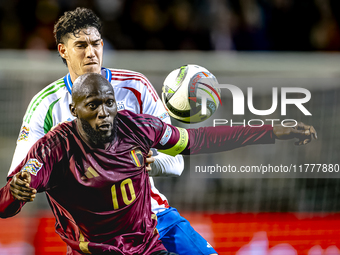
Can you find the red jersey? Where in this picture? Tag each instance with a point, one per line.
(101, 197)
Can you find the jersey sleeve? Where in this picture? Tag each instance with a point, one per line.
(164, 165)
(34, 124)
(39, 162)
(8, 205)
(176, 140)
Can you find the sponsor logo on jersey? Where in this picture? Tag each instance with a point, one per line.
(120, 106)
(209, 245)
(164, 116)
(137, 157)
(166, 136)
(23, 135)
(32, 166)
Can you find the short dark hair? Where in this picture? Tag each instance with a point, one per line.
(73, 22)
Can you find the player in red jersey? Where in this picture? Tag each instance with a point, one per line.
(93, 172)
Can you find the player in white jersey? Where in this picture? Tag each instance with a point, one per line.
(133, 92)
(81, 48)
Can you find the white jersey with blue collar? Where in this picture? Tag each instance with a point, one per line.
(133, 92)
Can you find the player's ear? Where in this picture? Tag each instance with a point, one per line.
(102, 43)
(73, 110)
(62, 50)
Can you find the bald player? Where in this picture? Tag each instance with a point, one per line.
(93, 169)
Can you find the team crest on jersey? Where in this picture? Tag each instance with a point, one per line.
(137, 157)
(120, 106)
(164, 116)
(23, 135)
(32, 166)
(166, 136)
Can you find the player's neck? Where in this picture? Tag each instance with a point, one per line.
(73, 76)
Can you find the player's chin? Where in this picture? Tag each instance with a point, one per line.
(106, 136)
(94, 68)
(103, 133)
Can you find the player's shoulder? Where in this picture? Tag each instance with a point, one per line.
(68, 126)
(139, 120)
(49, 94)
(134, 81)
(131, 115)
(120, 73)
(52, 89)
(61, 138)
(127, 77)
(61, 132)
(45, 98)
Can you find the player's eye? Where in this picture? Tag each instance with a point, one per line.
(110, 102)
(95, 43)
(80, 46)
(92, 106)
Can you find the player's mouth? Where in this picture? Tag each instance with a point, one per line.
(91, 63)
(104, 126)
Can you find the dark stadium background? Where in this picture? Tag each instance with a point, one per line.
(248, 43)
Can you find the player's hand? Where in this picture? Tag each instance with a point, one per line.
(304, 133)
(20, 187)
(149, 160)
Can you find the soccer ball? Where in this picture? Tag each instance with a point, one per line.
(183, 90)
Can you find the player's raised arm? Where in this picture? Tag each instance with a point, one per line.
(223, 138)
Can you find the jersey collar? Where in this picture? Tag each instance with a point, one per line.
(67, 79)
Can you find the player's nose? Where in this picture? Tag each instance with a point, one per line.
(90, 51)
(103, 112)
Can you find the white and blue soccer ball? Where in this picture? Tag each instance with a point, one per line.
(183, 90)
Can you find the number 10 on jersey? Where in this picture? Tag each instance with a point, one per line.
(126, 183)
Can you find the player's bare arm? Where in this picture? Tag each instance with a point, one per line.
(20, 187)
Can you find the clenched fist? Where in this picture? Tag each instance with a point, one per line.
(20, 187)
